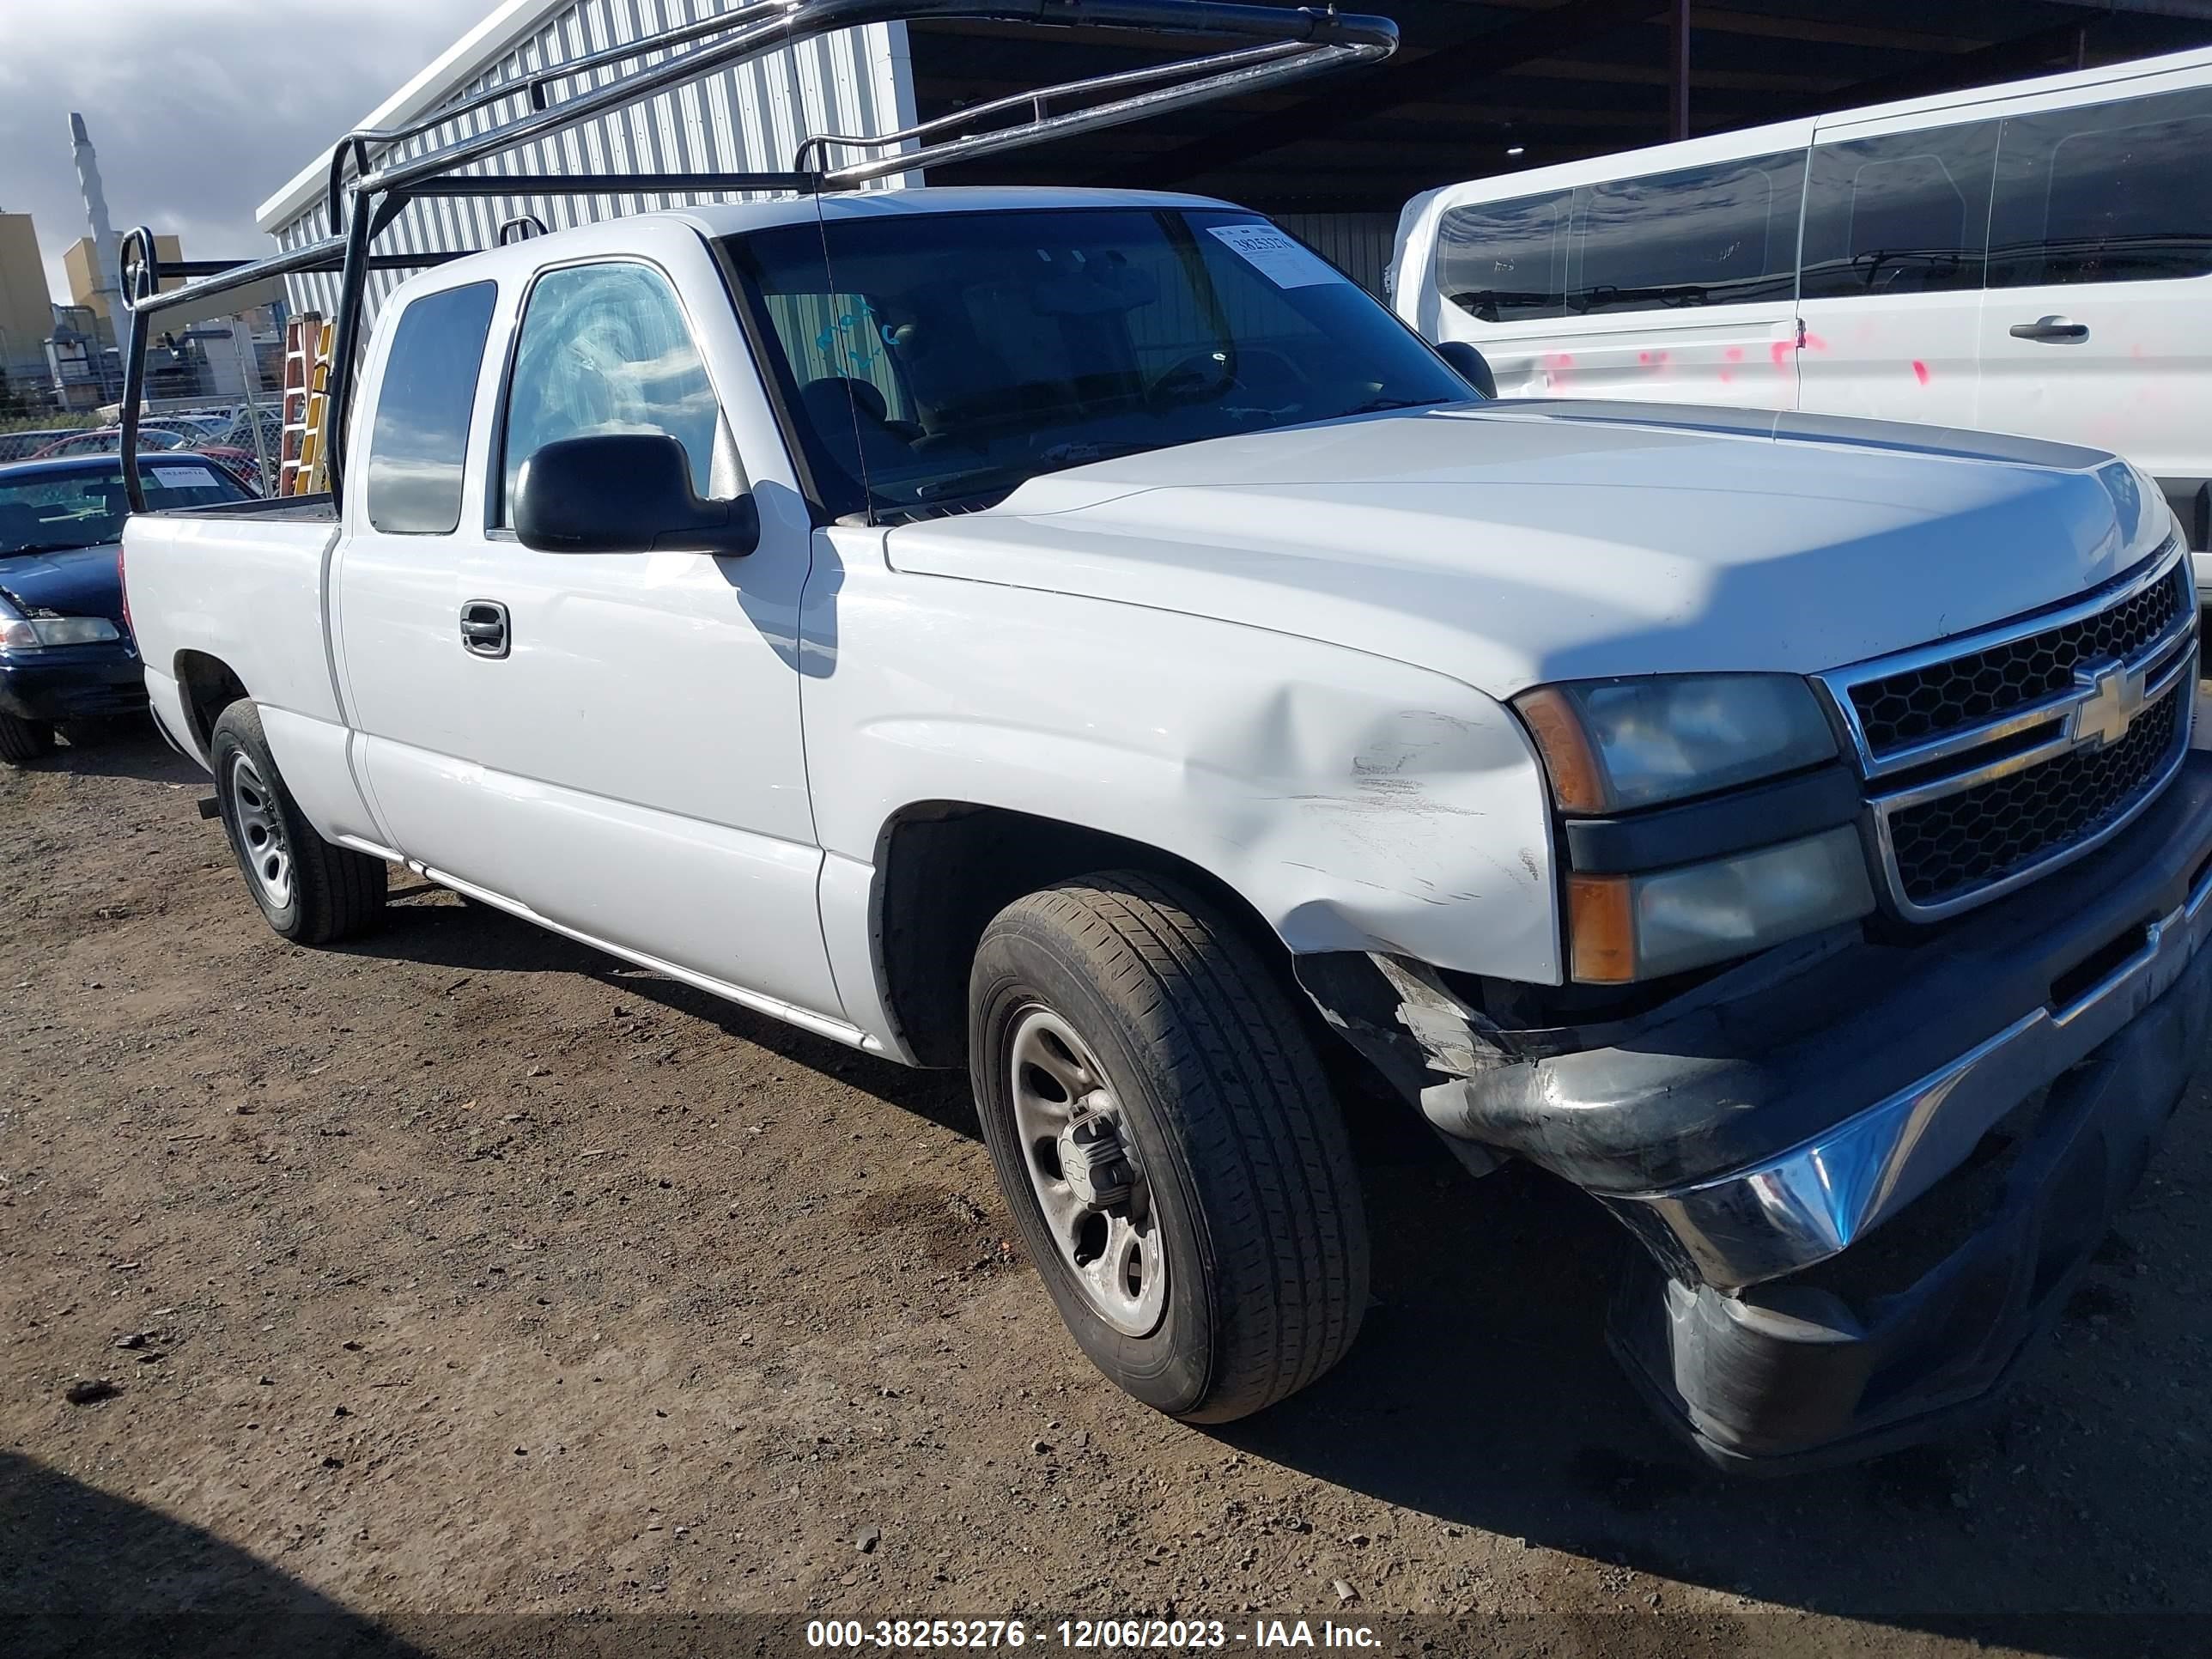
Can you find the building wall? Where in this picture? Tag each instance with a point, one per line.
(78, 263)
(27, 306)
(749, 118)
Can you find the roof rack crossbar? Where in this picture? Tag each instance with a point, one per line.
(142, 270)
(535, 85)
(1286, 44)
(1036, 99)
(1232, 72)
(1332, 40)
(609, 183)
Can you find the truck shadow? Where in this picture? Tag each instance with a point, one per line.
(85, 1572)
(424, 924)
(1482, 1393)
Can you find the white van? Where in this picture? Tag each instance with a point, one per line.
(2033, 259)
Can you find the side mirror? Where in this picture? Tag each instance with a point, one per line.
(1469, 365)
(625, 492)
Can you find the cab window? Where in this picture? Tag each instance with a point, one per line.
(604, 349)
(420, 444)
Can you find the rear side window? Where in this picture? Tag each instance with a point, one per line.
(1717, 235)
(1506, 262)
(420, 445)
(2110, 193)
(1906, 213)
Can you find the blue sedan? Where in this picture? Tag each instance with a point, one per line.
(66, 653)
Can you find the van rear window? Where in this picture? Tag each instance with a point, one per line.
(1725, 234)
(1718, 235)
(1503, 261)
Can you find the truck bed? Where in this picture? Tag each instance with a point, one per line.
(233, 590)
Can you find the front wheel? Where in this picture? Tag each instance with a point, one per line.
(311, 890)
(22, 740)
(1166, 1136)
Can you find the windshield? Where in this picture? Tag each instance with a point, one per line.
(42, 511)
(937, 365)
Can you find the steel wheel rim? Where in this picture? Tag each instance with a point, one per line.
(262, 847)
(1116, 1252)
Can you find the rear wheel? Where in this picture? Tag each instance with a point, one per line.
(24, 740)
(1166, 1136)
(311, 890)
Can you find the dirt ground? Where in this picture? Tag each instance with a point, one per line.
(464, 1290)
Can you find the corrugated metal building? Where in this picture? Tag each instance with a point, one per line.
(1480, 86)
(751, 117)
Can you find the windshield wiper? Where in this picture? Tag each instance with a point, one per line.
(1377, 405)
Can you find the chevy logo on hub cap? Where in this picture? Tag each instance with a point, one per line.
(2115, 698)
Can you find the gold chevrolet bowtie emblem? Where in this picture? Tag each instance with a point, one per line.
(2115, 698)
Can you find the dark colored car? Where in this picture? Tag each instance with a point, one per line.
(66, 653)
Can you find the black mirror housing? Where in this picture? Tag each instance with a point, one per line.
(1470, 366)
(625, 492)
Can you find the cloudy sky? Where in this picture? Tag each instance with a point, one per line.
(200, 109)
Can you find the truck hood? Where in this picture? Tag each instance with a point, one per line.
(72, 581)
(1515, 542)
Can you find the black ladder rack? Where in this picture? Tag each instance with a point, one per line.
(1282, 44)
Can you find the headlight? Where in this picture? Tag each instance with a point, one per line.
(22, 633)
(1614, 746)
(1623, 928)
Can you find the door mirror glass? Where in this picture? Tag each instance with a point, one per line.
(624, 492)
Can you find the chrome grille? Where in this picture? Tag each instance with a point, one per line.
(1963, 841)
(1994, 758)
(1922, 702)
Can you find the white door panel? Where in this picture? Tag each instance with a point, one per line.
(644, 726)
(1890, 284)
(2137, 380)
(2097, 327)
(1907, 358)
(642, 778)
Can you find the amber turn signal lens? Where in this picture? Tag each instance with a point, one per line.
(1577, 784)
(1602, 929)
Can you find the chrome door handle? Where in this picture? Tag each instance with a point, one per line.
(2052, 330)
(483, 628)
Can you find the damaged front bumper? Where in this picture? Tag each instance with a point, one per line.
(1865, 1172)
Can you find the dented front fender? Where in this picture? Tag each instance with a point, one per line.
(1356, 802)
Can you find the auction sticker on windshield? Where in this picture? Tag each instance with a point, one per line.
(181, 478)
(1276, 257)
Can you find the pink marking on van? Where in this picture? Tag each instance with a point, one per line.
(1920, 371)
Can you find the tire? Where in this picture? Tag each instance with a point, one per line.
(311, 890)
(1239, 1163)
(24, 740)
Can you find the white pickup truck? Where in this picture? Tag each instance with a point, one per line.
(1081, 636)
